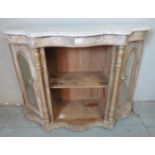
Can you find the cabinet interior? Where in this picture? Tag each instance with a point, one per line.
(78, 79)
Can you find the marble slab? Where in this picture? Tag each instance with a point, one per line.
(76, 30)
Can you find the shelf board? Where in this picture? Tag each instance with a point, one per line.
(80, 111)
(78, 80)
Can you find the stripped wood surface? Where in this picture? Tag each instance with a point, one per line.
(79, 80)
(94, 65)
(79, 110)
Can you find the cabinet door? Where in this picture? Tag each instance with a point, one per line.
(27, 77)
(129, 71)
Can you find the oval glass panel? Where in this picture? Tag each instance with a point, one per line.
(125, 83)
(27, 77)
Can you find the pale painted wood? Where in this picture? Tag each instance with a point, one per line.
(32, 43)
(85, 41)
(77, 36)
(25, 51)
(39, 69)
(111, 81)
(116, 83)
(49, 101)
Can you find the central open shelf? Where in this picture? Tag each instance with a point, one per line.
(78, 81)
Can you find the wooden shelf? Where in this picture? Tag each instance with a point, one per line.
(80, 110)
(78, 80)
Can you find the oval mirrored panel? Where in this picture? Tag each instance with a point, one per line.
(27, 77)
(125, 83)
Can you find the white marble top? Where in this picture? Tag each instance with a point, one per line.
(77, 31)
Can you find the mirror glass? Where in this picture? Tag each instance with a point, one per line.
(27, 77)
(125, 83)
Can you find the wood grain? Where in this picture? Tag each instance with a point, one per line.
(77, 83)
(79, 110)
(79, 80)
(79, 68)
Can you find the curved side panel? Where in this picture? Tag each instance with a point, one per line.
(27, 79)
(131, 62)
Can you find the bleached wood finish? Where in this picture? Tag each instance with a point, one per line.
(77, 79)
(116, 83)
(39, 69)
(46, 84)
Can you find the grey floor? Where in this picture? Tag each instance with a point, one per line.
(14, 124)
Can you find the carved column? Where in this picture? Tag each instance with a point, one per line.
(39, 69)
(116, 82)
